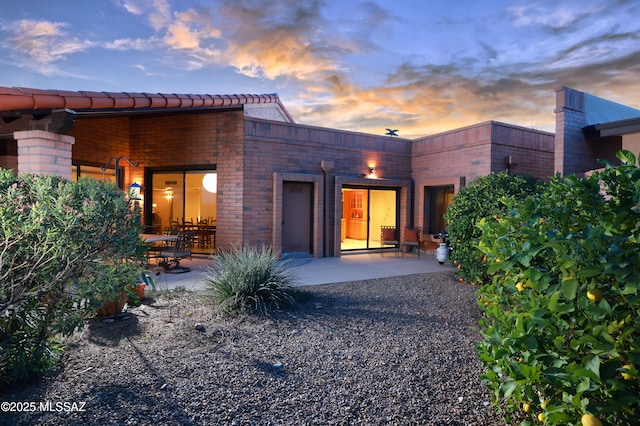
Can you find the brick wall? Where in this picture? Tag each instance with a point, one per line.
(530, 151)
(288, 149)
(199, 139)
(171, 141)
(442, 159)
(467, 153)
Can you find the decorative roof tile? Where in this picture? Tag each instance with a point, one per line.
(25, 99)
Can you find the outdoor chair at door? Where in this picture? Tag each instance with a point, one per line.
(172, 256)
(389, 237)
(411, 240)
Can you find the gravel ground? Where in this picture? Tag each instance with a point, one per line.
(385, 351)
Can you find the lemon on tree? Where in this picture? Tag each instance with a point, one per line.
(629, 375)
(594, 295)
(590, 420)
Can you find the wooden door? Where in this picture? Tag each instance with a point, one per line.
(297, 212)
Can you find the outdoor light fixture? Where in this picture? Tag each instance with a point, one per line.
(210, 182)
(372, 172)
(134, 191)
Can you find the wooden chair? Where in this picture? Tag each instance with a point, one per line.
(389, 237)
(180, 250)
(411, 239)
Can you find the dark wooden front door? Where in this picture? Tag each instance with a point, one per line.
(296, 217)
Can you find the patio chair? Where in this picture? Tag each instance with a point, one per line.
(180, 250)
(411, 239)
(389, 237)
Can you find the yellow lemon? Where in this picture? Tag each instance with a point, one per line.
(541, 417)
(628, 376)
(526, 407)
(590, 420)
(543, 404)
(594, 295)
(520, 286)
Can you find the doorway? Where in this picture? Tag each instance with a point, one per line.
(437, 200)
(364, 211)
(297, 217)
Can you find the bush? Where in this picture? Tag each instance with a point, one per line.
(480, 199)
(562, 313)
(65, 248)
(250, 280)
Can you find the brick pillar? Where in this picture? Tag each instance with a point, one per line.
(44, 152)
(569, 141)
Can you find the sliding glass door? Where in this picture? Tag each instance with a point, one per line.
(179, 198)
(364, 211)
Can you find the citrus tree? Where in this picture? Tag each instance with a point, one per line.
(561, 317)
(65, 249)
(480, 199)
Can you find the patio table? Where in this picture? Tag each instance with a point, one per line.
(150, 239)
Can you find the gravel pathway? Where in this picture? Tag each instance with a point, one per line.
(384, 351)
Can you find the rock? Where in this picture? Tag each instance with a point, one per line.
(199, 327)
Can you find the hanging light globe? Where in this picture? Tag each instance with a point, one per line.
(210, 182)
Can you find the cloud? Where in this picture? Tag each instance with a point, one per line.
(125, 44)
(44, 41)
(558, 18)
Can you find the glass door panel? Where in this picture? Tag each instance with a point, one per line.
(168, 200)
(354, 219)
(364, 211)
(382, 212)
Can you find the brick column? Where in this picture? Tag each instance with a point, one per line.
(570, 119)
(44, 152)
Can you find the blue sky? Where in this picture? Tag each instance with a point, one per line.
(419, 66)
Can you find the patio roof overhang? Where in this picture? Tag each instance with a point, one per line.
(55, 110)
(612, 128)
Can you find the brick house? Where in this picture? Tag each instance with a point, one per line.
(299, 188)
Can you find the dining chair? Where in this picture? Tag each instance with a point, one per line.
(411, 239)
(389, 237)
(180, 250)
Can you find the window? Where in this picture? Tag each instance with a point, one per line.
(183, 196)
(437, 199)
(79, 170)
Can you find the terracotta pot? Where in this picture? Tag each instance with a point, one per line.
(110, 309)
(139, 291)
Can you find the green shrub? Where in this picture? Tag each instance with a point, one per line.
(562, 312)
(480, 199)
(250, 280)
(65, 248)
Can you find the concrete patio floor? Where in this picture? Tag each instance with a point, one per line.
(313, 271)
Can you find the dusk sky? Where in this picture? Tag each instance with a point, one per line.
(420, 66)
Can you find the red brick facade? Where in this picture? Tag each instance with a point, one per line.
(255, 157)
(457, 157)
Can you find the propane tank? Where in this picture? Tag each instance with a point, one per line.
(442, 253)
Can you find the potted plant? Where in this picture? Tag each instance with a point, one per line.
(110, 308)
(135, 291)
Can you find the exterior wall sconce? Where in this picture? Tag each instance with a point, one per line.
(372, 172)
